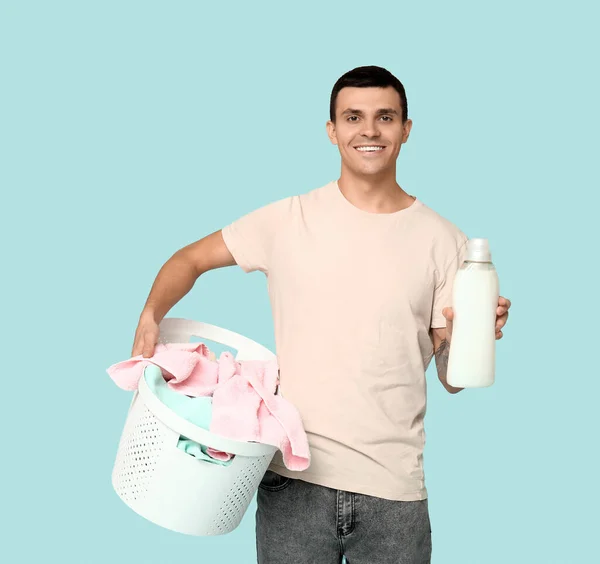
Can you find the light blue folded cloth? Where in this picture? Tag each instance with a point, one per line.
(195, 410)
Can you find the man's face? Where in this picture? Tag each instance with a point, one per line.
(368, 130)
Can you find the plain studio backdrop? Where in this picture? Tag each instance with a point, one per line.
(130, 129)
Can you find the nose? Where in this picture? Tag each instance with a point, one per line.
(370, 128)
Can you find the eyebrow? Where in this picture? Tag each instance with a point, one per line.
(378, 112)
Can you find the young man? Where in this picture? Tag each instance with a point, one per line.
(360, 279)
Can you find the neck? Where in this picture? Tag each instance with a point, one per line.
(374, 193)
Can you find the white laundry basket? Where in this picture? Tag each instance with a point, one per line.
(165, 485)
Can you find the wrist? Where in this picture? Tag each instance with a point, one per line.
(149, 314)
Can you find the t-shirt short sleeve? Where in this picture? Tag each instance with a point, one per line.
(250, 238)
(454, 252)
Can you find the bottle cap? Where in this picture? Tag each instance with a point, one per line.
(478, 250)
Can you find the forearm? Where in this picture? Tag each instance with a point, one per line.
(174, 280)
(442, 354)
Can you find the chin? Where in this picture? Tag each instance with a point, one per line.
(366, 170)
(373, 171)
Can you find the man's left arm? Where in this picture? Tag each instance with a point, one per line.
(442, 339)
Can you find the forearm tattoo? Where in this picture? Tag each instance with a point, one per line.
(441, 358)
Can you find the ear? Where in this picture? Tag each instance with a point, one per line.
(407, 127)
(331, 132)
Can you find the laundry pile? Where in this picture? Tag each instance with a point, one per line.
(234, 399)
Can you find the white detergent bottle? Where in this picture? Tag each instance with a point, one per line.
(472, 360)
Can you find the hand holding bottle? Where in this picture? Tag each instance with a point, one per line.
(501, 318)
(475, 320)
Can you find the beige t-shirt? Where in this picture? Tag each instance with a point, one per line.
(354, 295)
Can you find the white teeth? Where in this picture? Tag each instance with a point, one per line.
(373, 148)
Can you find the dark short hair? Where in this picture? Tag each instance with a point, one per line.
(368, 77)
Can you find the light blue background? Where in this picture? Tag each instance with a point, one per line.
(130, 129)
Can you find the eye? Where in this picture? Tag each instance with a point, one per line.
(351, 118)
(387, 118)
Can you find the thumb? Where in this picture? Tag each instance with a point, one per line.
(448, 313)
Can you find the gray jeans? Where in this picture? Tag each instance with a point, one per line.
(305, 523)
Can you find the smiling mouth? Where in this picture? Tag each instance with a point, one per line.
(370, 149)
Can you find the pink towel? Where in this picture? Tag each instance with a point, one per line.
(245, 407)
(185, 366)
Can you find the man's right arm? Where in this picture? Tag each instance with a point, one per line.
(174, 280)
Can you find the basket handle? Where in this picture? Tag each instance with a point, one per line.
(173, 329)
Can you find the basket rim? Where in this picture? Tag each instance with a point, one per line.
(247, 349)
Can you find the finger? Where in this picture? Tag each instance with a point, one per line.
(504, 302)
(501, 310)
(148, 352)
(448, 313)
(148, 348)
(137, 348)
(499, 335)
(501, 322)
